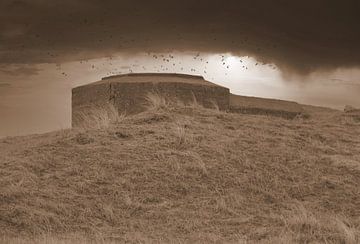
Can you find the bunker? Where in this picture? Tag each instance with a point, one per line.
(265, 106)
(127, 93)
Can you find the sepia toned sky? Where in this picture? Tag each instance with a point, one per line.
(306, 51)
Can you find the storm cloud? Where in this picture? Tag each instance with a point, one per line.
(19, 70)
(300, 36)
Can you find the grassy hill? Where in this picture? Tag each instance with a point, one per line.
(185, 175)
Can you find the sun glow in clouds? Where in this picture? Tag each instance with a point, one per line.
(243, 75)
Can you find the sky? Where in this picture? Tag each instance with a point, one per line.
(304, 51)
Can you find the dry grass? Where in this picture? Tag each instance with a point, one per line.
(156, 101)
(97, 117)
(184, 175)
(304, 226)
(194, 103)
(49, 239)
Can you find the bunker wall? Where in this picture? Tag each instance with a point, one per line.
(131, 97)
(87, 98)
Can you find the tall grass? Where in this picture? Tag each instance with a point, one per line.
(194, 103)
(50, 239)
(305, 226)
(155, 101)
(97, 117)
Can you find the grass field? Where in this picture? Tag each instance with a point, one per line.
(177, 174)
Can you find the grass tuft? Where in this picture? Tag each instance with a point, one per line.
(97, 117)
(155, 101)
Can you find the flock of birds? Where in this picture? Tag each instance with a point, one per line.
(162, 62)
(165, 63)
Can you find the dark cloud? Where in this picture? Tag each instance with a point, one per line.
(4, 84)
(19, 69)
(345, 82)
(296, 35)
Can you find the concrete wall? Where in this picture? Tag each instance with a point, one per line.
(130, 97)
(265, 106)
(86, 98)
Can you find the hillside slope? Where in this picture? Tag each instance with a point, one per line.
(186, 174)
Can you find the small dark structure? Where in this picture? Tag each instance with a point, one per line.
(127, 93)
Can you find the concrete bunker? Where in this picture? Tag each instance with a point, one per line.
(127, 93)
(265, 106)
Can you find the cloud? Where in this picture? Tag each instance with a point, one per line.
(4, 84)
(19, 70)
(345, 82)
(299, 36)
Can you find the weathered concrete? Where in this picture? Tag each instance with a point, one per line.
(265, 106)
(352, 112)
(128, 92)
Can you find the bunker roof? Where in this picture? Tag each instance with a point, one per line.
(154, 78)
